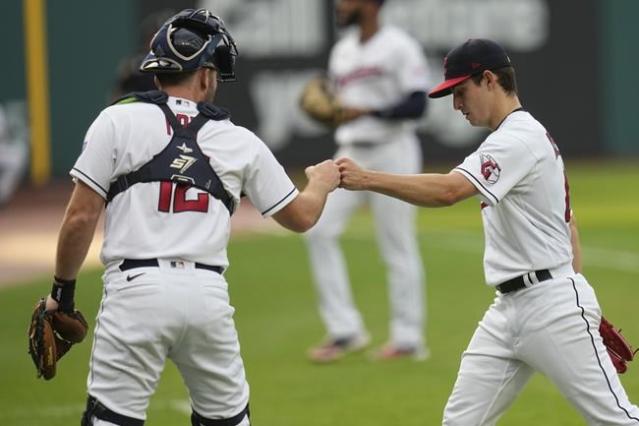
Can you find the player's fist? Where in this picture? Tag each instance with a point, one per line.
(352, 176)
(325, 173)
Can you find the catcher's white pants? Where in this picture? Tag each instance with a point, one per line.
(396, 235)
(551, 327)
(181, 313)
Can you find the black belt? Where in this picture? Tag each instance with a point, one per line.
(146, 263)
(518, 283)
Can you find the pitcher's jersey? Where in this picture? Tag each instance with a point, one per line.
(162, 220)
(376, 75)
(520, 177)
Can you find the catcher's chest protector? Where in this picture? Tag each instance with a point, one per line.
(182, 160)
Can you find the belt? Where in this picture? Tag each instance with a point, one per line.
(524, 281)
(146, 263)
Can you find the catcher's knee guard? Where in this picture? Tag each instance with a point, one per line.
(198, 420)
(95, 409)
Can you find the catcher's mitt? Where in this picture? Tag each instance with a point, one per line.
(51, 335)
(320, 103)
(618, 348)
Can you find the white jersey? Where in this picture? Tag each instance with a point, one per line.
(159, 220)
(377, 74)
(520, 177)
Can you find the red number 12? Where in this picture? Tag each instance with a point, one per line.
(180, 203)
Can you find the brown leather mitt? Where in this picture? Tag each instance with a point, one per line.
(320, 103)
(51, 335)
(619, 349)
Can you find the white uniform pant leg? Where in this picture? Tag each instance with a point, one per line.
(336, 306)
(395, 222)
(396, 233)
(156, 315)
(125, 365)
(207, 354)
(566, 347)
(489, 377)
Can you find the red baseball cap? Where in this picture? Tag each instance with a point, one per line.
(471, 58)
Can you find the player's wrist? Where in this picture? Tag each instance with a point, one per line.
(63, 292)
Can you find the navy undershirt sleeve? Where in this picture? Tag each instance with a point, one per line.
(413, 106)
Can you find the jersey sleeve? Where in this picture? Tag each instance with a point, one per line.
(413, 69)
(267, 185)
(497, 166)
(95, 165)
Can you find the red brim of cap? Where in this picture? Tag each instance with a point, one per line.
(445, 88)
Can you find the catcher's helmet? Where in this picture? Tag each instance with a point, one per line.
(190, 40)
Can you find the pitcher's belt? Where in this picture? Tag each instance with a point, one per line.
(524, 281)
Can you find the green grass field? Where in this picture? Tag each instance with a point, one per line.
(277, 320)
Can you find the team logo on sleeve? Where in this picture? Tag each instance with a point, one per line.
(490, 170)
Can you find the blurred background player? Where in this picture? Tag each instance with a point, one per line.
(379, 75)
(14, 157)
(129, 77)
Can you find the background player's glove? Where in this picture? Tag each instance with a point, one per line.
(320, 103)
(51, 335)
(618, 348)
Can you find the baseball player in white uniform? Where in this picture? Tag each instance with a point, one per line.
(545, 316)
(171, 167)
(379, 74)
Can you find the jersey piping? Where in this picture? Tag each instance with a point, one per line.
(279, 202)
(476, 183)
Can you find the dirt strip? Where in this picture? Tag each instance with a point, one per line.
(29, 225)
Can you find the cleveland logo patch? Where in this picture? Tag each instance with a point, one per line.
(490, 170)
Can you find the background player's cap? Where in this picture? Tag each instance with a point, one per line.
(471, 58)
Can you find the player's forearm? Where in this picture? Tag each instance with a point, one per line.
(304, 211)
(74, 241)
(311, 200)
(428, 190)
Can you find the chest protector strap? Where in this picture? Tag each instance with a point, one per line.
(182, 160)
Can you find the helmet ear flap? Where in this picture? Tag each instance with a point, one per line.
(224, 61)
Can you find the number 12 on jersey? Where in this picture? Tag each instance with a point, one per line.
(177, 192)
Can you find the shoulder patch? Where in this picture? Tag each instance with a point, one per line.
(490, 170)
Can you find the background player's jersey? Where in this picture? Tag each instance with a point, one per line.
(160, 220)
(376, 75)
(520, 177)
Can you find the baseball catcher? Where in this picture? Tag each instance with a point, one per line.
(619, 349)
(53, 332)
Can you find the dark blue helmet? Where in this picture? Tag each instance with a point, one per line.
(190, 40)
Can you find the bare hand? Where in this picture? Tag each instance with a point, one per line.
(325, 173)
(352, 176)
